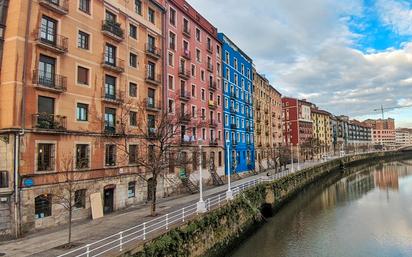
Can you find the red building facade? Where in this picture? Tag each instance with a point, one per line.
(297, 121)
(193, 76)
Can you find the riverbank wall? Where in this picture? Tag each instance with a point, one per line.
(215, 233)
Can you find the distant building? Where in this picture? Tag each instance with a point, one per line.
(322, 131)
(403, 137)
(297, 123)
(268, 121)
(350, 135)
(238, 107)
(383, 132)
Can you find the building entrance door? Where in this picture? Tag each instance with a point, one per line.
(108, 200)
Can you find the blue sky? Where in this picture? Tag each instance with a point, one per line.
(347, 56)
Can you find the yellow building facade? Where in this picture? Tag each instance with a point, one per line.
(322, 132)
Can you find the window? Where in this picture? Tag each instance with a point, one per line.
(82, 75)
(110, 87)
(171, 106)
(203, 95)
(172, 17)
(110, 156)
(45, 157)
(43, 206)
(220, 159)
(4, 179)
(193, 112)
(131, 189)
(193, 70)
(198, 58)
(80, 198)
(84, 6)
(110, 55)
(151, 15)
(110, 120)
(172, 41)
(133, 118)
(82, 156)
(83, 40)
(204, 164)
(138, 7)
(48, 30)
(170, 82)
(132, 89)
(133, 60)
(133, 31)
(82, 112)
(202, 75)
(151, 67)
(171, 59)
(151, 98)
(133, 154)
(203, 114)
(193, 90)
(198, 38)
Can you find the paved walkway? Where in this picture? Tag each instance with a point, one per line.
(46, 243)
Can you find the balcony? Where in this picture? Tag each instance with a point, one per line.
(113, 30)
(153, 79)
(186, 141)
(214, 142)
(183, 73)
(186, 54)
(233, 126)
(49, 81)
(267, 133)
(266, 110)
(184, 96)
(234, 143)
(109, 129)
(153, 51)
(151, 133)
(60, 6)
(53, 42)
(212, 105)
(233, 94)
(151, 106)
(258, 107)
(266, 122)
(185, 118)
(113, 64)
(49, 121)
(210, 67)
(258, 120)
(247, 129)
(212, 85)
(110, 97)
(186, 32)
(212, 124)
(258, 131)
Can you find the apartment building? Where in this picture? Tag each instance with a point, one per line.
(383, 131)
(194, 89)
(322, 131)
(359, 136)
(76, 74)
(268, 120)
(297, 125)
(238, 108)
(403, 137)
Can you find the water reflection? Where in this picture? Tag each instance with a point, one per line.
(368, 213)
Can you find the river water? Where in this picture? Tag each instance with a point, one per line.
(366, 214)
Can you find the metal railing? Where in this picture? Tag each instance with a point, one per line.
(113, 28)
(129, 237)
(126, 238)
(50, 39)
(50, 80)
(49, 121)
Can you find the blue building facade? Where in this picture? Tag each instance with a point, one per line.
(238, 108)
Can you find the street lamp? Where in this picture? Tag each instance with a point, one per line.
(229, 193)
(201, 205)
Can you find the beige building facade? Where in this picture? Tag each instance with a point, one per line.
(267, 104)
(73, 69)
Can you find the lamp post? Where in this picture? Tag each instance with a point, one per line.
(201, 205)
(229, 193)
(291, 155)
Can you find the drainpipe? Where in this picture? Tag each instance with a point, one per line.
(18, 135)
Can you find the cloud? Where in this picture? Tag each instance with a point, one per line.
(396, 14)
(307, 49)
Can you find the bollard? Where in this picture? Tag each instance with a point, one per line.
(121, 241)
(144, 231)
(167, 221)
(183, 214)
(88, 250)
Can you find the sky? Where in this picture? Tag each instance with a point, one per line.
(346, 56)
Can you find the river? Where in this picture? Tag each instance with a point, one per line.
(366, 214)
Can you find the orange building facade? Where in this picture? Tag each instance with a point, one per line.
(69, 70)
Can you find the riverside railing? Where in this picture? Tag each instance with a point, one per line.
(126, 238)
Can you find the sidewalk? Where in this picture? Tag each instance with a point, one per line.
(46, 243)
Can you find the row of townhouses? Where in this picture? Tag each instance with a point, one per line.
(88, 87)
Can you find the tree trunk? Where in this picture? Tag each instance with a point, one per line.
(154, 189)
(70, 226)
